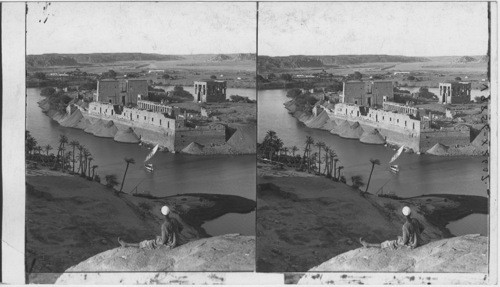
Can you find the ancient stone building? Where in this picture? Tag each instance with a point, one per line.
(210, 91)
(121, 92)
(454, 93)
(371, 93)
(401, 108)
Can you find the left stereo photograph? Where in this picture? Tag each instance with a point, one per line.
(140, 140)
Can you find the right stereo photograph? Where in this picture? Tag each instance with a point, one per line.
(373, 138)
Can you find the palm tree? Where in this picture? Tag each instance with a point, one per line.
(128, 161)
(74, 144)
(319, 145)
(30, 143)
(327, 160)
(313, 160)
(374, 162)
(90, 160)
(93, 170)
(307, 150)
(339, 169)
(63, 139)
(59, 150)
(80, 157)
(335, 160)
(285, 150)
(86, 155)
(47, 149)
(294, 150)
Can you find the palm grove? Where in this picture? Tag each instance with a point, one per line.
(71, 157)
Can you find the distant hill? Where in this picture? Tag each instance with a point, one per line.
(47, 60)
(267, 63)
(233, 57)
(471, 59)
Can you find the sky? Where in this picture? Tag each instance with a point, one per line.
(147, 27)
(393, 28)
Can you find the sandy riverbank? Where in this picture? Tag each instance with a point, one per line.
(304, 220)
(69, 219)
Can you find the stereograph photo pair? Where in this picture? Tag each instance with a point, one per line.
(249, 142)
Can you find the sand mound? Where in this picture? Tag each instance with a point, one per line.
(72, 120)
(126, 136)
(105, 130)
(341, 126)
(467, 253)
(83, 124)
(243, 140)
(372, 137)
(318, 121)
(329, 125)
(93, 125)
(352, 132)
(438, 149)
(193, 148)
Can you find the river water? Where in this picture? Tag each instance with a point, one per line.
(174, 173)
(419, 174)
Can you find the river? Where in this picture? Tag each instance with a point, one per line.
(174, 173)
(419, 174)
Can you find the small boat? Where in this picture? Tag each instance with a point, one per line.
(149, 167)
(394, 168)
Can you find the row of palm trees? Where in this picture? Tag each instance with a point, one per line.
(317, 157)
(77, 160)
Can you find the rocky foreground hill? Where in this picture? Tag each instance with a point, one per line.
(467, 253)
(230, 252)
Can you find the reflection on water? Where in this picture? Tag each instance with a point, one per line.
(174, 173)
(419, 174)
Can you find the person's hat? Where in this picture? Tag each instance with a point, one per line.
(165, 210)
(406, 211)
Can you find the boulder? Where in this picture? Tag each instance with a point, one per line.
(225, 253)
(467, 253)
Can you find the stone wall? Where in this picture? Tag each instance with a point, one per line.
(399, 129)
(155, 127)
